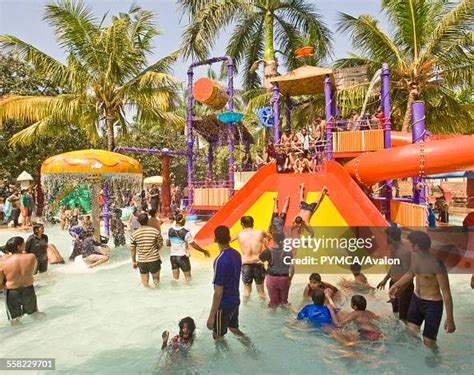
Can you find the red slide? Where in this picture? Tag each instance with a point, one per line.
(346, 205)
(430, 157)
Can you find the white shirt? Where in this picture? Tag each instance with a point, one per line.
(179, 247)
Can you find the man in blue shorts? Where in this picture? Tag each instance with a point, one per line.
(224, 312)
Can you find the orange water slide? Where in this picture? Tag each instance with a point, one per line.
(430, 157)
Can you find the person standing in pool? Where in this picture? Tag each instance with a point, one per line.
(145, 245)
(118, 228)
(37, 244)
(179, 240)
(431, 290)
(302, 220)
(403, 256)
(279, 218)
(251, 246)
(16, 272)
(224, 313)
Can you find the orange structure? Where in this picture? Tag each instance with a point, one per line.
(208, 92)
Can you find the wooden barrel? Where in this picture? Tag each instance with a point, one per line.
(210, 93)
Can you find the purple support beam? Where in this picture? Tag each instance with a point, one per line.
(328, 100)
(190, 141)
(287, 113)
(385, 103)
(230, 106)
(210, 159)
(106, 210)
(276, 113)
(231, 159)
(418, 136)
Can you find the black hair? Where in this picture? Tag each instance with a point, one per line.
(88, 217)
(315, 277)
(420, 239)
(190, 323)
(356, 268)
(246, 221)
(13, 243)
(222, 235)
(152, 212)
(143, 218)
(37, 226)
(179, 218)
(118, 212)
(359, 301)
(298, 219)
(318, 297)
(394, 234)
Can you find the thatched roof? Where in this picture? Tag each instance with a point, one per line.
(215, 131)
(306, 80)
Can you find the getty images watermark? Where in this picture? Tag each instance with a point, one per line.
(346, 247)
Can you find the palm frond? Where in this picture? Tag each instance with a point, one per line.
(43, 63)
(369, 39)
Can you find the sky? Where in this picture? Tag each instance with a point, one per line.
(23, 18)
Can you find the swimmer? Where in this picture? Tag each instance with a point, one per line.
(363, 318)
(301, 221)
(317, 314)
(183, 341)
(78, 234)
(315, 283)
(251, 242)
(180, 240)
(90, 255)
(432, 291)
(53, 255)
(37, 244)
(360, 282)
(16, 273)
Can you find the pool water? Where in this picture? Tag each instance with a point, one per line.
(104, 321)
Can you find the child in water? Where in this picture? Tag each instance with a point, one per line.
(360, 283)
(364, 319)
(316, 283)
(117, 226)
(183, 341)
(317, 314)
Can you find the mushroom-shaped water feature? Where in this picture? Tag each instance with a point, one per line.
(95, 169)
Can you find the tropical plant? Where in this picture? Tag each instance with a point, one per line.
(429, 51)
(261, 28)
(105, 78)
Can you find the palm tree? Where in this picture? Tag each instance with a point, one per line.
(429, 50)
(105, 77)
(261, 28)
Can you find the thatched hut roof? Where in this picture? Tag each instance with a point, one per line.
(216, 132)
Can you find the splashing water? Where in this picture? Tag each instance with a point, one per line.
(104, 321)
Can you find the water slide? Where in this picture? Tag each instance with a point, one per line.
(432, 157)
(346, 205)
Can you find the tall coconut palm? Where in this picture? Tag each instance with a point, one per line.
(429, 49)
(261, 28)
(106, 75)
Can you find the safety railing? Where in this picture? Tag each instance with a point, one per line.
(408, 214)
(358, 140)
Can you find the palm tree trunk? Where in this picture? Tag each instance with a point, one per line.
(110, 120)
(408, 113)
(270, 65)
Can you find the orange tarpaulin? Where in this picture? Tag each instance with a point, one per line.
(408, 214)
(355, 141)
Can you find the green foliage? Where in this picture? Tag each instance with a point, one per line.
(260, 27)
(430, 53)
(106, 74)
